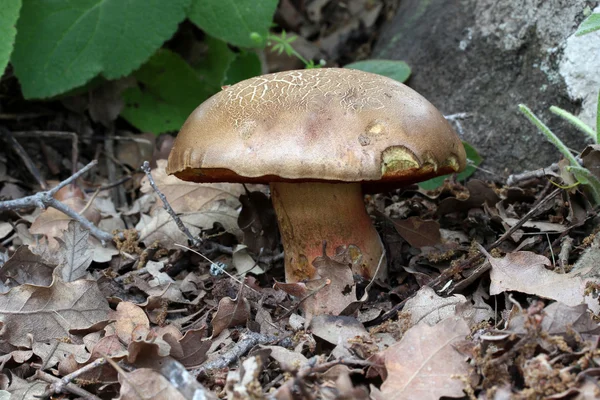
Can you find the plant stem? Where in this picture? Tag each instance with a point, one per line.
(576, 122)
(549, 134)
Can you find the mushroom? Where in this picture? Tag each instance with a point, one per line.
(317, 136)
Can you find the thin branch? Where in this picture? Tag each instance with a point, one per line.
(72, 136)
(71, 388)
(146, 168)
(46, 199)
(538, 173)
(35, 172)
(247, 341)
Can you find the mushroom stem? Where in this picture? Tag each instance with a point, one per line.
(311, 213)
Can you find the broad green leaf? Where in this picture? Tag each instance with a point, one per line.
(590, 24)
(62, 44)
(245, 65)
(214, 65)
(398, 70)
(239, 22)
(169, 91)
(9, 14)
(473, 160)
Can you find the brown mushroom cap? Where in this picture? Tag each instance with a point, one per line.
(328, 124)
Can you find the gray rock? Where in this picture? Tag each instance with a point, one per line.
(484, 57)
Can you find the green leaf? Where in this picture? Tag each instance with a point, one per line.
(245, 65)
(168, 92)
(9, 14)
(590, 24)
(215, 64)
(398, 70)
(473, 160)
(62, 44)
(243, 23)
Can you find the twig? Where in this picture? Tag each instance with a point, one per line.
(71, 388)
(167, 206)
(46, 199)
(527, 175)
(212, 246)
(524, 219)
(57, 134)
(60, 385)
(109, 185)
(247, 341)
(118, 195)
(25, 157)
(184, 382)
(221, 269)
(565, 251)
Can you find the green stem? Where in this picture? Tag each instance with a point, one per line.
(549, 134)
(576, 122)
(584, 176)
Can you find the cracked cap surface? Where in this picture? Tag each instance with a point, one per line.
(328, 124)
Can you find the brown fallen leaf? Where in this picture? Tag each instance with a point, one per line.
(195, 347)
(22, 389)
(145, 383)
(53, 353)
(47, 313)
(430, 308)
(128, 318)
(288, 360)
(230, 313)
(424, 364)
(185, 197)
(418, 233)
(75, 252)
(24, 267)
(526, 272)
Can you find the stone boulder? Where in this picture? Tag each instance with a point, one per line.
(484, 57)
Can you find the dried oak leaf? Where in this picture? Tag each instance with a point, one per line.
(24, 267)
(161, 227)
(424, 364)
(230, 313)
(53, 353)
(185, 197)
(418, 233)
(331, 293)
(127, 318)
(145, 383)
(428, 307)
(20, 389)
(526, 272)
(48, 313)
(194, 346)
(76, 252)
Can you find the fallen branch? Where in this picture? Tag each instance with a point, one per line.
(246, 342)
(70, 387)
(46, 199)
(146, 168)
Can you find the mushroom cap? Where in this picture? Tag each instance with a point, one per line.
(312, 125)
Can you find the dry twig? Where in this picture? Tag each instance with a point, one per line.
(69, 387)
(246, 342)
(46, 199)
(146, 168)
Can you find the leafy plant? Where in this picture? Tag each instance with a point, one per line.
(589, 25)
(473, 161)
(583, 175)
(62, 45)
(398, 70)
